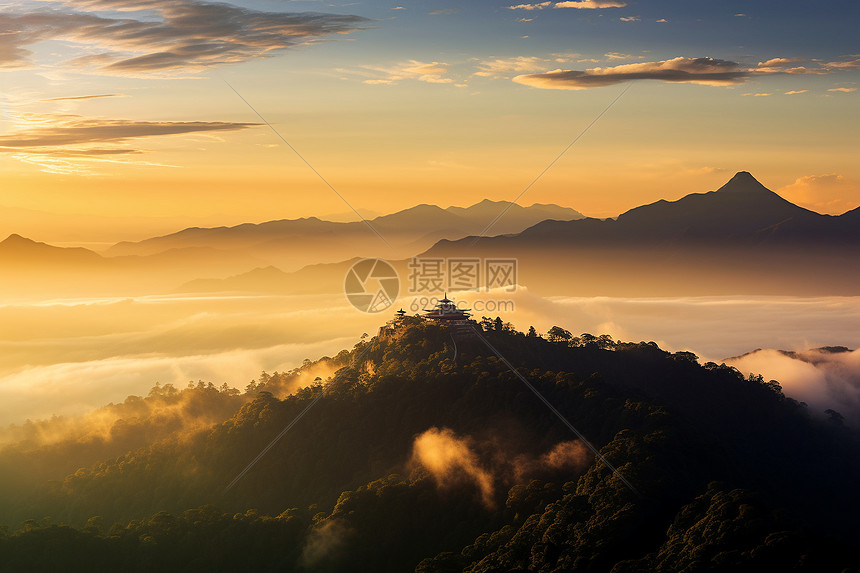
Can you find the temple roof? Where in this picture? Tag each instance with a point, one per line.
(446, 309)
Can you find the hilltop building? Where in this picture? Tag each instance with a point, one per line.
(393, 324)
(445, 312)
(448, 313)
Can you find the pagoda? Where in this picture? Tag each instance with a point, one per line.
(446, 312)
(389, 327)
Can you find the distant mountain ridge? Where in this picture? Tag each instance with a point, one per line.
(739, 239)
(291, 243)
(195, 253)
(18, 250)
(32, 268)
(741, 211)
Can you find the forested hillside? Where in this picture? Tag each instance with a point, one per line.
(419, 451)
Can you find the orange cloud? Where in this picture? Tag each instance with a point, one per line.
(578, 4)
(570, 457)
(784, 66)
(450, 459)
(538, 6)
(501, 66)
(828, 193)
(429, 72)
(852, 62)
(86, 97)
(590, 4)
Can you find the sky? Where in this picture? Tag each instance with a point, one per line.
(126, 118)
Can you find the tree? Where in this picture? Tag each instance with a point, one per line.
(835, 418)
(685, 355)
(532, 332)
(588, 339)
(558, 334)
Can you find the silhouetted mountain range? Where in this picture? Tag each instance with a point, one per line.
(162, 263)
(291, 243)
(18, 251)
(739, 239)
(742, 211)
(33, 268)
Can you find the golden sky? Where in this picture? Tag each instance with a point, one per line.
(118, 122)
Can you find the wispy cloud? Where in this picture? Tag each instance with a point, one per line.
(785, 66)
(501, 66)
(629, 18)
(707, 71)
(538, 6)
(78, 130)
(852, 61)
(578, 4)
(428, 72)
(80, 163)
(843, 90)
(590, 4)
(72, 144)
(86, 97)
(795, 92)
(158, 36)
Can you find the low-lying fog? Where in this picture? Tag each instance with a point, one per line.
(65, 357)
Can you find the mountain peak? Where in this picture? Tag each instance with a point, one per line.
(16, 240)
(742, 182)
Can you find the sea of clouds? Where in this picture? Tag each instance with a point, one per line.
(67, 357)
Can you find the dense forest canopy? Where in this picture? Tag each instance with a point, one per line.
(421, 450)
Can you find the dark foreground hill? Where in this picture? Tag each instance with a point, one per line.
(424, 452)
